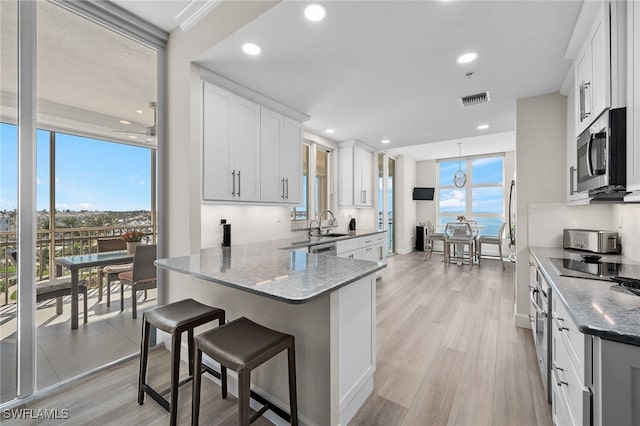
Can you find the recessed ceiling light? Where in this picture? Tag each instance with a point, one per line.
(385, 141)
(483, 127)
(139, 111)
(315, 12)
(125, 122)
(467, 57)
(149, 140)
(251, 49)
(330, 131)
(133, 137)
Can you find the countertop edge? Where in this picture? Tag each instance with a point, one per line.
(298, 301)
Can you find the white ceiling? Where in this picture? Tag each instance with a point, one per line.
(372, 70)
(387, 69)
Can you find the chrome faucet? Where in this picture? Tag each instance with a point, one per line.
(311, 227)
(331, 221)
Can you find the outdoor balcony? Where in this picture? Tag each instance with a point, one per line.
(62, 353)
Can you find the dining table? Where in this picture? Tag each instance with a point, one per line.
(77, 262)
(475, 230)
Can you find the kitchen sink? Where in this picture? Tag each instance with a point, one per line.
(334, 234)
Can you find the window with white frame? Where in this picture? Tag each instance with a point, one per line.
(316, 161)
(480, 199)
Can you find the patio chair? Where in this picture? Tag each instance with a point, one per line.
(54, 288)
(432, 237)
(459, 233)
(492, 239)
(111, 271)
(141, 277)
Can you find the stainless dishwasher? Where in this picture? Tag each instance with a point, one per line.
(327, 249)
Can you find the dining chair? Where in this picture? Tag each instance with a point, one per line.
(492, 239)
(142, 276)
(111, 271)
(432, 237)
(459, 233)
(54, 288)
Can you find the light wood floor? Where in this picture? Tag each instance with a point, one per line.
(448, 353)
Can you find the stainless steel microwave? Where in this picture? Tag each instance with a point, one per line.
(602, 153)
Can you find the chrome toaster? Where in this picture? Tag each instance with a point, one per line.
(591, 240)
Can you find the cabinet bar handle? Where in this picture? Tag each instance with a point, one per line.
(282, 180)
(563, 328)
(287, 182)
(233, 178)
(572, 171)
(239, 183)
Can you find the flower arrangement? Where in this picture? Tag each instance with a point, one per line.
(132, 236)
(461, 218)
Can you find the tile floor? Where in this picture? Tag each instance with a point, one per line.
(62, 353)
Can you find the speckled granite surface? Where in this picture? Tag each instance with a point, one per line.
(600, 308)
(265, 269)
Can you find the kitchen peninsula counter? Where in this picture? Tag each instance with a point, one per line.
(328, 303)
(263, 269)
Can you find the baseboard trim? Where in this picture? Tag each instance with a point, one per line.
(522, 321)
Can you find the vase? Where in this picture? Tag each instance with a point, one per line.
(131, 246)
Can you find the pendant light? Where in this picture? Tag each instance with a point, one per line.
(459, 177)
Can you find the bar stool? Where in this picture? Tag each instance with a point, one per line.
(242, 346)
(175, 318)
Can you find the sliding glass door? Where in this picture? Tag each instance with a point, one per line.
(386, 198)
(83, 171)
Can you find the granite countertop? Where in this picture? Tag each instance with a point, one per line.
(263, 269)
(305, 241)
(600, 308)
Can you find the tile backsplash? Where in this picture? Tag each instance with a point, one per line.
(547, 220)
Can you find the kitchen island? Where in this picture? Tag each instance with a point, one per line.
(328, 303)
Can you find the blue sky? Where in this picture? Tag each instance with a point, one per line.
(90, 174)
(487, 170)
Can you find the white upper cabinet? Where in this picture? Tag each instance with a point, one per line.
(249, 153)
(246, 147)
(291, 160)
(355, 165)
(281, 140)
(633, 99)
(217, 156)
(592, 72)
(573, 197)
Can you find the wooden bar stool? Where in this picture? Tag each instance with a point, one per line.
(242, 346)
(175, 318)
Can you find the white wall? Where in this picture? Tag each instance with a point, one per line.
(405, 211)
(625, 219)
(427, 175)
(540, 162)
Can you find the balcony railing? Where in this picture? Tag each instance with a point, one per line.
(61, 242)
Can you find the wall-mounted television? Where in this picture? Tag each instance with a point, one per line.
(422, 193)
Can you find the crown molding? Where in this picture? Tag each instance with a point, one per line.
(194, 11)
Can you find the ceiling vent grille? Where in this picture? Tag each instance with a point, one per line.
(476, 99)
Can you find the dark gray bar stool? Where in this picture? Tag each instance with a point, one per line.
(242, 346)
(175, 318)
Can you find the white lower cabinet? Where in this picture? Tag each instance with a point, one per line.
(616, 396)
(571, 369)
(369, 247)
(594, 381)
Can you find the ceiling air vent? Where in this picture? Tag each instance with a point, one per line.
(476, 99)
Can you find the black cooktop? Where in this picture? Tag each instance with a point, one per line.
(595, 269)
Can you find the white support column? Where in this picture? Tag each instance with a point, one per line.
(26, 196)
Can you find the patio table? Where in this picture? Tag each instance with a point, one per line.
(75, 263)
